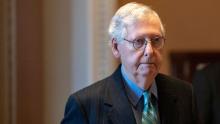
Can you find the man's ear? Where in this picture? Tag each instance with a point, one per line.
(115, 50)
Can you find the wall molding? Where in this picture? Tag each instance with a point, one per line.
(9, 58)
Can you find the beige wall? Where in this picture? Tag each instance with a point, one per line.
(2, 76)
(29, 62)
(56, 58)
(4, 69)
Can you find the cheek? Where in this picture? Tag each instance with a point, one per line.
(129, 55)
(159, 59)
(135, 57)
(130, 60)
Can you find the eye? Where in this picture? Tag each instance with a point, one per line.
(156, 39)
(139, 42)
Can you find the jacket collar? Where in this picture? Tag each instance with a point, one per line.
(116, 103)
(167, 100)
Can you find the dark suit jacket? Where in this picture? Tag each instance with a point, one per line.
(207, 90)
(106, 102)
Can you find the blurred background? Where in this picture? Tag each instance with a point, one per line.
(52, 48)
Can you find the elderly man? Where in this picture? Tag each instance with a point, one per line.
(135, 93)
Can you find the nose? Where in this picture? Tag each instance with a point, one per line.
(148, 50)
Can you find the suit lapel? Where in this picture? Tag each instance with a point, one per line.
(119, 114)
(167, 109)
(168, 101)
(116, 105)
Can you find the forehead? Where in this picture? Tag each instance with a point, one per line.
(143, 27)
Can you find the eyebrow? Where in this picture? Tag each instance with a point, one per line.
(147, 36)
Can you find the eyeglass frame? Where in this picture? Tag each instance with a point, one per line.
(147, 40)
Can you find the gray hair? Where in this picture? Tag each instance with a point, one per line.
(129, 14)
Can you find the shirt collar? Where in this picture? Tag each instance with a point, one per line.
(133, 91)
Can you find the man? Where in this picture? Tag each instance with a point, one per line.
(135, 93)
(207, 90)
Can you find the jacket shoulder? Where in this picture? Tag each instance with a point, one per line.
(84, 103)
(172, 84)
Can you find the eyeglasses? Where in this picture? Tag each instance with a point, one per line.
(157, 42)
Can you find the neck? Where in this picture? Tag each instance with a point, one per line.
(143, 82)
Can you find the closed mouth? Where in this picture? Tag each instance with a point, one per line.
(151, 63)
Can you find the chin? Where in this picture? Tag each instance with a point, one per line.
(149, 73)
